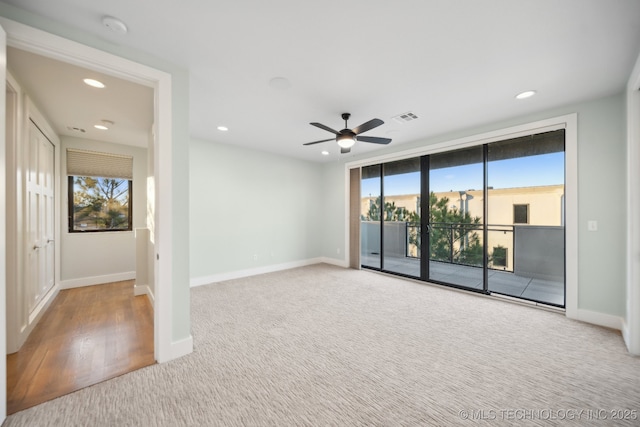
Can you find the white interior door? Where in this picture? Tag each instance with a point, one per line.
(40, 217)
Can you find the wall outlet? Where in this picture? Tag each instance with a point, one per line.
(338, 251)
(592, 225)
(255, 257)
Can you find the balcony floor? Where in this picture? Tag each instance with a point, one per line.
(503, 282)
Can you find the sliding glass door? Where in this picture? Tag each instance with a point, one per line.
(488, 218)
(401, 230)
(526, 217)
(370, 197)
(456, 218)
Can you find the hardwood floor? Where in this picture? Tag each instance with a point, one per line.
(87, 335)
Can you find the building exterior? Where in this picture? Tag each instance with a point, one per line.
(509, 210)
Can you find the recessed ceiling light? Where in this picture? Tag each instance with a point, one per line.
(325, 153)
(94, 83)
(104, 125)
(526, 94)
(223, 128)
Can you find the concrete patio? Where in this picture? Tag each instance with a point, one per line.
(502, 282)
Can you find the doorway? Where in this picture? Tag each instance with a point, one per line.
(31, 39)
(46, 318)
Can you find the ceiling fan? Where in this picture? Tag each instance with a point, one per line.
(347, 137)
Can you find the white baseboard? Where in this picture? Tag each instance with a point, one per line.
(337, 262)
(199, 281)
(144, 290)
(626, 334)
(34, 317)
(182, 347)
(97, 280)
(600, 319)
(632, 347)
(46, 301)
(140, 290)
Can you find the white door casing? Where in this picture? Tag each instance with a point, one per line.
(3, 210)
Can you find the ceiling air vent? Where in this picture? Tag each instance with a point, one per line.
(405, 117)
(75, 129)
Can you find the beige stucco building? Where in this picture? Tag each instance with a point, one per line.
(508, 208)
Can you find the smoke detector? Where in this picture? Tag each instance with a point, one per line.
(114, 24)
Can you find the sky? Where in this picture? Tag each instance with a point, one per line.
(533, 171)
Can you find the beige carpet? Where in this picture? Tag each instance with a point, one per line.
(325, 346)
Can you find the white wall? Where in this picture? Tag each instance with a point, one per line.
(601, 195)
(93, 258)
(251, 211)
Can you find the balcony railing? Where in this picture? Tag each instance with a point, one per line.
(456, 243)
(537, 251)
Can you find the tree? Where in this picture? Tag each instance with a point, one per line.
(101, 202)
(453, 235)
(391, 213)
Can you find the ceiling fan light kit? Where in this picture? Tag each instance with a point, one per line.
(346, 141)
(346, 138)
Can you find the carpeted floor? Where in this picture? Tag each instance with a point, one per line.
(322, 345)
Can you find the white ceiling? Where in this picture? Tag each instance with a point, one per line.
(73, 108)
(454, 63)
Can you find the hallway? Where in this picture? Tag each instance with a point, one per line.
(87, 336)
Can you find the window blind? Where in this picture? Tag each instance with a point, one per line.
(96, 164)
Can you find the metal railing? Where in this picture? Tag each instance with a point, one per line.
(461, 243)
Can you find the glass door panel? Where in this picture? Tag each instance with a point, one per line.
(456, 213)
(401, 230)
(370, 215)
(526, 217)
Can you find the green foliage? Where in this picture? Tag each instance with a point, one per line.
(391, 213)
(453, 234)
(100, 203)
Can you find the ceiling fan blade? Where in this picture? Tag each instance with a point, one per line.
(373, 123)
(373, 139)
(318, 142)
(321, 126)
(345, 150)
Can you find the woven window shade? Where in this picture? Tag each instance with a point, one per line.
(95, 164)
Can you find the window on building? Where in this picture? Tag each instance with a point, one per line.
(100, 191)
(521, 214)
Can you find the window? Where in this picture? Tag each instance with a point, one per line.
(521, 214)
(99, 204)
(100, 191)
